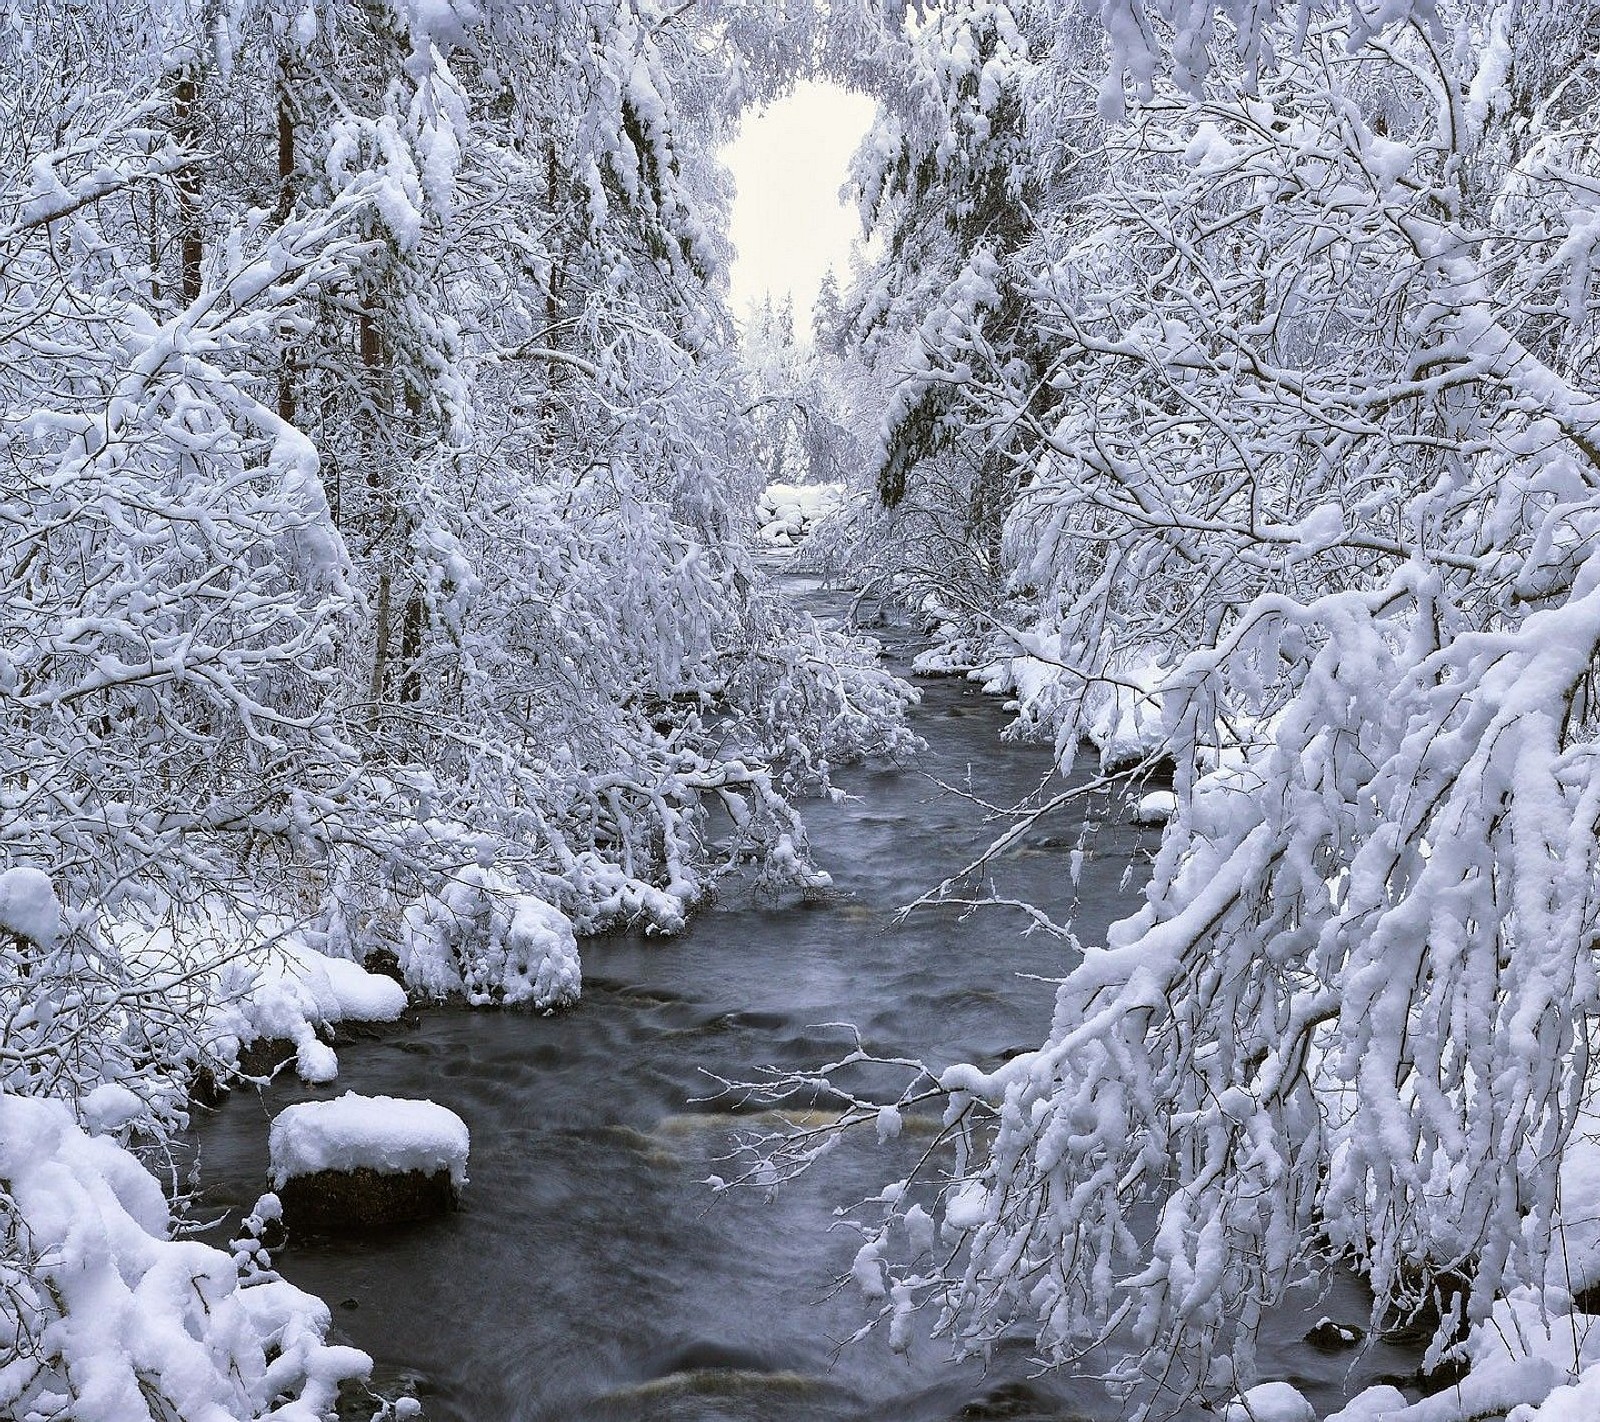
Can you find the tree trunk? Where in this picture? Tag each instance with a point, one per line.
(190, 250)
(286, 195)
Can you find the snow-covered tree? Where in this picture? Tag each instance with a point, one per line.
(1320, 445)
(172, 590)
(801, 404)
(986, 128)
(372, 555)
(377, 441)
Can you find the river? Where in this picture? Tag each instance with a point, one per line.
(590, 1272)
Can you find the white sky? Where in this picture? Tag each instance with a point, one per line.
(790, 161)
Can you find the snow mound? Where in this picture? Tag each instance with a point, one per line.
(1373, 1404)
(950, 654)
(382, 1133)
(28, 906)
(786, 513)
(110, 1109)
(481, 937)
(1156, 808)
(116, 1319)
(289, 993)
(1270, 1402)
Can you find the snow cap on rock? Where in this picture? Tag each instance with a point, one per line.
(1270, 1402)
(382, 1133)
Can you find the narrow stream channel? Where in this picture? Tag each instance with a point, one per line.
(590, 1273)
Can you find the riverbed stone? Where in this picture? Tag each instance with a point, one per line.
(265, 1055)
(361, 1198)
(1328, 1336)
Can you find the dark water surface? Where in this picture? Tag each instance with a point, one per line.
(591, 1273)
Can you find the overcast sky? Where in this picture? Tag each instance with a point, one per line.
(788, 223)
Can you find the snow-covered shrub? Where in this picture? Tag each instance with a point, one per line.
(822, 701)
(78, 1013)
(1396, 881)
(142, 1007)
(480, 937)
(107, 1318)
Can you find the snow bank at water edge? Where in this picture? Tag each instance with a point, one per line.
(481, 937)
(113, 1319)
(1535, 1359)
(1118, 712)
(381, 1133)
(786, 513)
(292, 991)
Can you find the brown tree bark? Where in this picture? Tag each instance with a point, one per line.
(190, 245)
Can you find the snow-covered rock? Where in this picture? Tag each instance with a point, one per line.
(382, 1133)
(1270, 1402)
(1373, 1404)
(289, 993)
(786, 513)
(129, 1322)
(1156, 808)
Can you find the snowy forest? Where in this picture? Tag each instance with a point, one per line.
(389, 609)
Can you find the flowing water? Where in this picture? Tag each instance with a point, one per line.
(590, 1272)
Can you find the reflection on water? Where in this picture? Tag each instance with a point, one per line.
(592, 1273)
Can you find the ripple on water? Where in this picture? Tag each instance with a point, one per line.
(722, 1395)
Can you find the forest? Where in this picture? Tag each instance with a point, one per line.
(382, 604)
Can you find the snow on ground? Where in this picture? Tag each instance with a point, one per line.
(383, 1133)
(115, 1319)
(786, 513)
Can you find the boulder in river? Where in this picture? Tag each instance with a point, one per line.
(365, 1162)
(1326, 1336)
